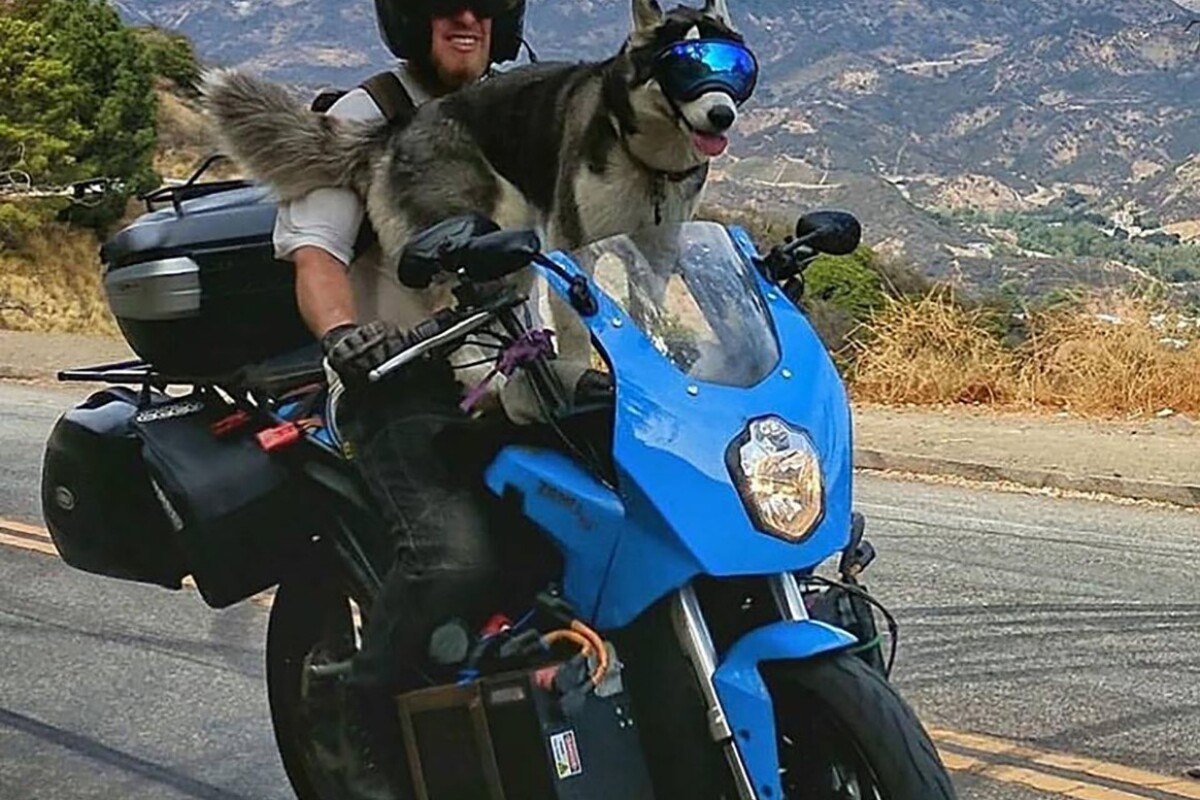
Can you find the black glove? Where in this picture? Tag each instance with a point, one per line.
(354, 350)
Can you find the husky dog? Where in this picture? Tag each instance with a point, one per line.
(576, 151)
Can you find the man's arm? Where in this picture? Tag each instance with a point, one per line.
(317, 233)
(323, 290)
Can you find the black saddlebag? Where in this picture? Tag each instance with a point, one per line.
(153, 495)
(97, 499)
(242, 515)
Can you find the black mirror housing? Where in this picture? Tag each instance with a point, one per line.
(493, 256)
(439, 247)
(836, 233)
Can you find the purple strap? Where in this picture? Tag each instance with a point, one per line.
(525, 350)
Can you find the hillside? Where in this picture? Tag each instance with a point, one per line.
(892, 109)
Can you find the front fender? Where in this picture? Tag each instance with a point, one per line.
(747, 703)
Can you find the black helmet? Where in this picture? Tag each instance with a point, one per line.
(406, 28)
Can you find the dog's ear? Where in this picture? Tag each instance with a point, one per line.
(719, 9)
(646, 15)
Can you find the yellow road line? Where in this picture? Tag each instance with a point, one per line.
(37, 545)
(1079, 765)
(31, 537)
(12, 526)
(1039, 781)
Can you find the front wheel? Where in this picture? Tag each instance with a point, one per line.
(845, 734)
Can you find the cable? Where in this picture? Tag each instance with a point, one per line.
(601, 650)
(478, 363)
(893, 626)
(554, 637)
(589, 642)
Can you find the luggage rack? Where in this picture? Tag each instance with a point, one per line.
(146, 376)
(134, 372)
(191, 189)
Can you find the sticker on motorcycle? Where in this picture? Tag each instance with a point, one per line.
(566, 755)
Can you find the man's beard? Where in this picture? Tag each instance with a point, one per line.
(457, 78)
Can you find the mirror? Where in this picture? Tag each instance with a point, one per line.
(495, 255)
(438, 247)
(836, 233)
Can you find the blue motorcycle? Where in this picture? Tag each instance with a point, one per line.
(678, 641)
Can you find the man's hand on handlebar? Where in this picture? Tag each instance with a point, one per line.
(354, 350)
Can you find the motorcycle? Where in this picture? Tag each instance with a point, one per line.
(679, 640)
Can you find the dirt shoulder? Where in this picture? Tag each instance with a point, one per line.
(1127, 458)
(39, 356)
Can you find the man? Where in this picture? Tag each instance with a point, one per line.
(445, 566)
(446, 45)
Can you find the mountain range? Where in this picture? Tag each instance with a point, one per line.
(893, 108)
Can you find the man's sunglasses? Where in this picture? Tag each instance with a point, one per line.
(688, 69)
(480, 8)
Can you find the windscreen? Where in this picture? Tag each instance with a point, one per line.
(691, 292)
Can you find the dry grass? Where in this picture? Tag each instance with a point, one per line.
(184, 139)
(54, 284)
(930, 351)
(1121, 357)
(1129, 357)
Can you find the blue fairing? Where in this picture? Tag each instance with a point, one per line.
(746, 700)
(676, 512)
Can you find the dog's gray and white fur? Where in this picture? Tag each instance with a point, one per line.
(576, 151)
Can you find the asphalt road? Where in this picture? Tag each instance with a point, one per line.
(1067, 626)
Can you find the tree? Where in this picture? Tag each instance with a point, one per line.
(851, 283)
(76, 99)
(39, 131)
(172, 57)
(118, 105)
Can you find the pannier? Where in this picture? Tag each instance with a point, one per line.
(145, 490)
(195, 287)
(97, 499)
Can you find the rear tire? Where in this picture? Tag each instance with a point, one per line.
(312, 622)
(844, 732)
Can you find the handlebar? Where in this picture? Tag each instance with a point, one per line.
(431, 334)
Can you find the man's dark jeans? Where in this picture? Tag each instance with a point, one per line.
(401, 434)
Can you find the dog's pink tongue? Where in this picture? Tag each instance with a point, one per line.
(711, 144)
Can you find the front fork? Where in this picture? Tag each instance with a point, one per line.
(794, 637)
(697, 644)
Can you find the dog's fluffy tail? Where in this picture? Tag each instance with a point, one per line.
(283, 144)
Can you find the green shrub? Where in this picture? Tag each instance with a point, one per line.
(172, 56)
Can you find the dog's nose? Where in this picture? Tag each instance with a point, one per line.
(721, 117)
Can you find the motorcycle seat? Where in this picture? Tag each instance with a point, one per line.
(285, 372)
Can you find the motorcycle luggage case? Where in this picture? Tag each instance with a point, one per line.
(242, 516)
(507, 738)
(195, 286)
(97, 500)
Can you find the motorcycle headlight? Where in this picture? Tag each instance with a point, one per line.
(779, 478)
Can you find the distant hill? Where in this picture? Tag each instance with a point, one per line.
(891, 109)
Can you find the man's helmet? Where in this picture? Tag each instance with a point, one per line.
(406, 28)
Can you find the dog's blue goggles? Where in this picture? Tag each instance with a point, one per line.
(688, 69)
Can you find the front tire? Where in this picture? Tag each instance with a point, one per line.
(845, 734)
